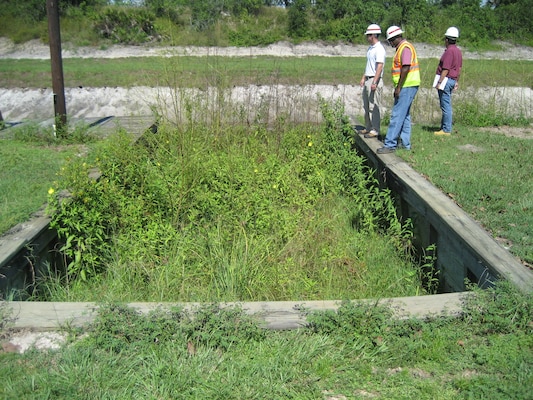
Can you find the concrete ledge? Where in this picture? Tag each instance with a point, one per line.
(276, 315)
(21, 236)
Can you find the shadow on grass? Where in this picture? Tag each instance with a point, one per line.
(430, 128)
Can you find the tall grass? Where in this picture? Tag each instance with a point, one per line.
(230, 212)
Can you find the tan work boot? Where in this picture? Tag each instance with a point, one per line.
(442, 133)
(371, 134)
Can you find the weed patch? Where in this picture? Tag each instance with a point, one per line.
(230, 213)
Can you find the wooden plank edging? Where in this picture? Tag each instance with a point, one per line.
(276, 315)
(440, 210)
(21, 236)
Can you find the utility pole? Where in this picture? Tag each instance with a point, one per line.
(58, 86)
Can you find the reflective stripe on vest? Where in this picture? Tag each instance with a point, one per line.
(413, 76)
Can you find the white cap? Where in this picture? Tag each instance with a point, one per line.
(452, 32)
(393, 31)
(373, 29)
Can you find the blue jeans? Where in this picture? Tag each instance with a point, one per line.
(445, 98)
(400, 119)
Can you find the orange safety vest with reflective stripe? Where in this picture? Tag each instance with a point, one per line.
(413, 76)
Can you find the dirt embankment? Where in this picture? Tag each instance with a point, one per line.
(35, 49)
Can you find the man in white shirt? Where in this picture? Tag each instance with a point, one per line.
(372, 82)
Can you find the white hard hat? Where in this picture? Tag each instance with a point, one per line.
(393, 31)
(373, 29)
(452, 32)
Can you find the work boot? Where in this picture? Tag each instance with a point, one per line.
(371, 134)
(442, 133)
(385, 150)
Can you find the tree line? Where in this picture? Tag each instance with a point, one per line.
(137, 21)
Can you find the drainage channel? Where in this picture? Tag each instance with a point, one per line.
(464, 251)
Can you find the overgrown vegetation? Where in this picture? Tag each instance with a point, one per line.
(359, 351)
(229, 212)
(260, 22)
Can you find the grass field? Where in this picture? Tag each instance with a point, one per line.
(31, 158)
(236, 71)
(27, 172)
(487, 174)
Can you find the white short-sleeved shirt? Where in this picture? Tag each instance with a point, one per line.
(375, 54)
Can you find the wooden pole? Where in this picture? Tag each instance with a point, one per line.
(58, 86)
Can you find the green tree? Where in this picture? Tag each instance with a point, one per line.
(328, 10)
(514, 18)
(474, 22)
(238, 7)
(298, 22)
(414, 16)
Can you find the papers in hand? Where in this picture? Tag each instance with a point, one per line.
(442, 85)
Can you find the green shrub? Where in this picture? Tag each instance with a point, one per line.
(170, 9)
(118, 328)
(352, 320)
(20, 32)
(30, 11)
(254, 31)
(125, 25)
